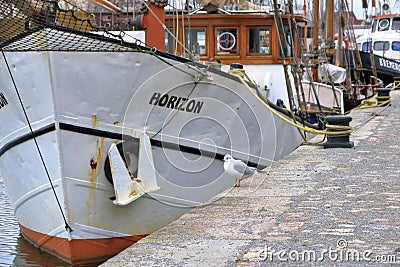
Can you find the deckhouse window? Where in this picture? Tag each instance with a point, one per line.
(259, 41)
(374, 26)
(381, 46)
(396, 46)
(366, 46)
(396, 24)
(226, 40)
(170, 42)
(195, 41)
(383, 24)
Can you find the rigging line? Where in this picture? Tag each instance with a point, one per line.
(283, 48)
(189, 26)
(176, 66)
(165, 27)
(295, 67)
(358, 65)
(177, 26)
(279, 29)
(183, 29)
(67, 227)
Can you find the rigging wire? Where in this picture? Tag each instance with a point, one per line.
(166, 28)
(293, 32)
(283, 49)
(189, 28)
(177, 26)
(67, 227)
(183, 28)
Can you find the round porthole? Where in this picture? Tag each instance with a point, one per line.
(383, 24)
(226, 41)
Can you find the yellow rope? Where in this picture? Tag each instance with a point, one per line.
(372, 103)
(396, 85)
(341, 130)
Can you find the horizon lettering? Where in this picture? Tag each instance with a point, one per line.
(176, 102)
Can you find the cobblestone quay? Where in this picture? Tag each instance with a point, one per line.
(319, 207)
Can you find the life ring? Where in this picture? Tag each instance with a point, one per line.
(226, 41)
(128, 151)
(344, 39)
(383, 24)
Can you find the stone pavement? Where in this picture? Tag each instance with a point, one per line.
(315, 207)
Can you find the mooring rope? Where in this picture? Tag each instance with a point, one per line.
(340, 129)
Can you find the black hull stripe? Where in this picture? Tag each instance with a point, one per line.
(91, 131)
(110, 135)
(46, 129)
(118, 136)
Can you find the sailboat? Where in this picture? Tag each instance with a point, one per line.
(104, 140)
(336, 60)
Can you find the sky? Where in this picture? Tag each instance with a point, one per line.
(359, 12)
(357, 6)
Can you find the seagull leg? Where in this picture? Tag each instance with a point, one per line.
(237, 183)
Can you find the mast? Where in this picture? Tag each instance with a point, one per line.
(365, 8)
(340, 35)
(373, 3)
(315, 40)
(330, 23)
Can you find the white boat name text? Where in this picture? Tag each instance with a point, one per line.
(3, 101)
(389, 64)
(176, 102)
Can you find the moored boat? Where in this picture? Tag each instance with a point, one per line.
(334, 59)
(380, 47)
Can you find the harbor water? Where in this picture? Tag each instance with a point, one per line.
(14, 249)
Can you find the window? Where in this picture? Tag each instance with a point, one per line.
(169, 42)
(383, 25)
(396, 46)
(259, 42)
(381, 46)
(396, 24)
(196, 41)
(366, 46)
(374, 25)
(227, 41)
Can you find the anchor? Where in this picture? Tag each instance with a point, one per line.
(127, 188)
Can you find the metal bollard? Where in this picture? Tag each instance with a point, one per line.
(383, 96)
(337, 123)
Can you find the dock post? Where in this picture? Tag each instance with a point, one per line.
(383, 97)
(338, 141)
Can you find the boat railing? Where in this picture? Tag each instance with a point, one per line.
(326, 95)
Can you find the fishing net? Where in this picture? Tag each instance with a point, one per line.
(46, 25)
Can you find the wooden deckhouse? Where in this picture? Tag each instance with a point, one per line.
(247, 38)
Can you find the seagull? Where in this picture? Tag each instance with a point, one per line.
(237, 168)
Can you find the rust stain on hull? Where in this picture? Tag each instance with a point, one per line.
(95, 167)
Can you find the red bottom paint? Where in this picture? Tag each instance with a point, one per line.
(79, 251)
